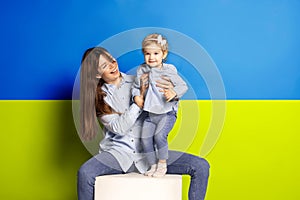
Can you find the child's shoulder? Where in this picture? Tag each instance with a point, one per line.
(169, 66)
(128, 77)
(143, 65)
(143, 68)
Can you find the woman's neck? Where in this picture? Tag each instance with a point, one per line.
(115, 82)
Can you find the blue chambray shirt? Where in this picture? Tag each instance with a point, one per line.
(123, 131)
(155, 101)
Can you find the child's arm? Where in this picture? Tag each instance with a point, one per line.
(135, 89)
(139, 87)
(141, 83)
(139, 100)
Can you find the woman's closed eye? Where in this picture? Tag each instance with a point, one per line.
(104, 66)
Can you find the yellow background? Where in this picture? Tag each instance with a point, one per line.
(256, 156)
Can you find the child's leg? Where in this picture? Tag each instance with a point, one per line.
(148, 145)
(163, 127)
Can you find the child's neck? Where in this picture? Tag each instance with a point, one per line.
(157, 66)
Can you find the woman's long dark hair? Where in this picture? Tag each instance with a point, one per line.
(92, 104)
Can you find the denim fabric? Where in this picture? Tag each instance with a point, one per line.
(178, 163)
(103, 163)
(156, 128)
(197, 168)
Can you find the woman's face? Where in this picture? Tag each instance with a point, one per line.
(108, 69)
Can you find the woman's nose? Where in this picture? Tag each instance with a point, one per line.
(112, 64)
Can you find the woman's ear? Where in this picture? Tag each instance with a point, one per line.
(98, 76)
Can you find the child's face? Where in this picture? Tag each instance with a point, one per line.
(153, 55)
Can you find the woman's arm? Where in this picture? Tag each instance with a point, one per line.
(166, 87)
(180, 87)
(121, 123)
(173, 86)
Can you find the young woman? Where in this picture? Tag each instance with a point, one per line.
(105, 95)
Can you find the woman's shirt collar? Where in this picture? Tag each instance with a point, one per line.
(110, 88)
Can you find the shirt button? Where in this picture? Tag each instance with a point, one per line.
(133, 151)
(132, 140)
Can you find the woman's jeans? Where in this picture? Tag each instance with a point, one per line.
(178, 163)
(156, 128)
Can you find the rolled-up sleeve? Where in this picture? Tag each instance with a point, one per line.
(136, 85)
(121, 123)
(180, 86)
(135, 90)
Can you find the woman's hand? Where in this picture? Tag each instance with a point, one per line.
(169, 94)
(166, 86)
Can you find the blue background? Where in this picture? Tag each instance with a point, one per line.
(255, 44)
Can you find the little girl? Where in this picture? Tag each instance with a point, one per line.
(161, 105)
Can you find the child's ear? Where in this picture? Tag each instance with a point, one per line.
(165, 53)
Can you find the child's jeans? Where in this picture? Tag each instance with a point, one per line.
(155, 132)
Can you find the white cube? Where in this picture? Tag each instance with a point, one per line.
(135, 186)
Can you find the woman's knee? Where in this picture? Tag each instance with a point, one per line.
(201, 165)
(83, 174)
(197, 165)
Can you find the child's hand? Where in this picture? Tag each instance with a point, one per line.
(139, 101)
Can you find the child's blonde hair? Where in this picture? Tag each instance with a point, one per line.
(157, 39)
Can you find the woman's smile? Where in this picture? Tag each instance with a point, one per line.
(114, 71)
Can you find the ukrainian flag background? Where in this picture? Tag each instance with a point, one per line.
(255, 45)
